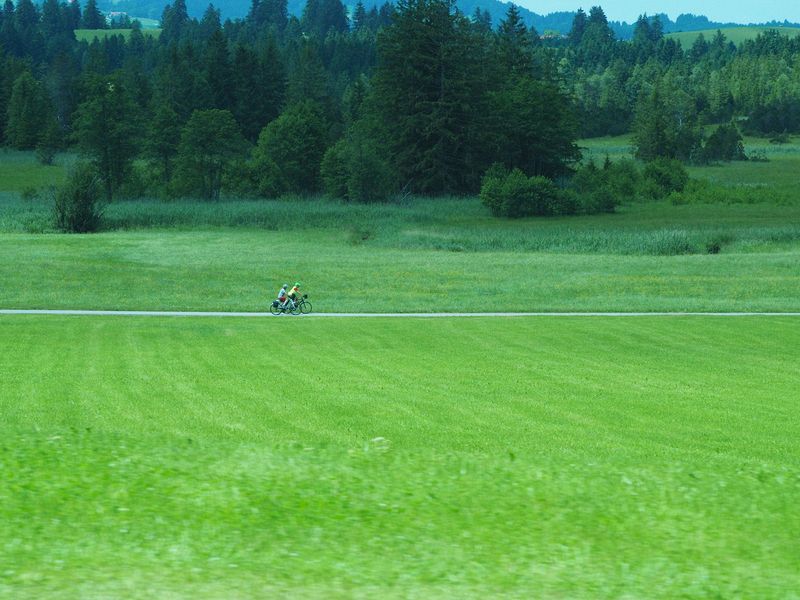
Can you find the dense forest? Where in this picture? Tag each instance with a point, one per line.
(414, 97)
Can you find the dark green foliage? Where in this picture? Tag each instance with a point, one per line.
(29, 112)
(77, 206)
(92, 17)
(107, 130)
(163, 138)
(321, 17)
(666, 127)
(430, 98)
(725, 144)
(355, 169)
(533, 127)
(289, 152)
(665, 176)
(210, 145)
(514, 195)
(596, 190)
(50, 142)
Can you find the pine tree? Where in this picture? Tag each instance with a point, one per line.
(92, 18)
(359, 17)
(514, 43)
(28, 112)
(174, 22)
(429, 96)
(218, 72)
(161, 145)
(210, 143)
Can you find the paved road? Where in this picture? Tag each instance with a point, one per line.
(167, 313)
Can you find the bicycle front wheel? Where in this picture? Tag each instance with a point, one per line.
(305, 307)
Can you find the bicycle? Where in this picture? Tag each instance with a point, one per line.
(301, 306)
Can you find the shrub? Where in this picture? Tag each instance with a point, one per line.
(77, 206)
(665, 176)
(624, 179)
(515, 195)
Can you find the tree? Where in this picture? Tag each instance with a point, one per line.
(534, 128)
(254, 111)
(161, 145)
(289, 151)
(218, 72)
(429, 96)
(210, 144)
(174, 22)
(266, 13)
(92, 17)
(107, 126)
(514, 42)
(664, 128)
(28, 112)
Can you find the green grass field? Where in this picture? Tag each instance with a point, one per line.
(241, 270)
(582, 458)
(737, 35)
(585, 457)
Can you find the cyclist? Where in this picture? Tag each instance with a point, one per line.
(282, 294)
(294, 293)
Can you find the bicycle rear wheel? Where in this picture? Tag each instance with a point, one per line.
(305, 307)
(275, 310)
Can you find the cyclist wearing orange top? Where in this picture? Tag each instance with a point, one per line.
(294, 293)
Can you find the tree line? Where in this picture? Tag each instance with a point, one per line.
(413, 97)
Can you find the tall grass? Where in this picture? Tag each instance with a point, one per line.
(455, 224)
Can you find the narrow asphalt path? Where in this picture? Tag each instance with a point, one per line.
(169, 313)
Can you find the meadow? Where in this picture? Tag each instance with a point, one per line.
(737, 35)
(239, 458)
(579, 457)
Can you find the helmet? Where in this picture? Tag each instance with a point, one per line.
(296, 284)
(284, 286)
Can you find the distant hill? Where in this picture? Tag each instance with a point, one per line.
(558, 21)
(737, 35)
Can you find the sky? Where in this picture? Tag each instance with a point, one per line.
(735, 11)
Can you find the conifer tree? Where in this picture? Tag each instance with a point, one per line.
(210, 143)
(92, 17)
(28, 112)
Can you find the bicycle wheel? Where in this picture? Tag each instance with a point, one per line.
(275, 310)
(294, 309)
(305, 307)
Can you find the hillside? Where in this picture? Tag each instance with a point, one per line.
(737, 35)
(557, 21)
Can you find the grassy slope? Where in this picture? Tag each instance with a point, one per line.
(567, 457)
(737, 35)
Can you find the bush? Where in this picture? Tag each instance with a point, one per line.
(515, 195)
(664, 176)
(77, 206)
